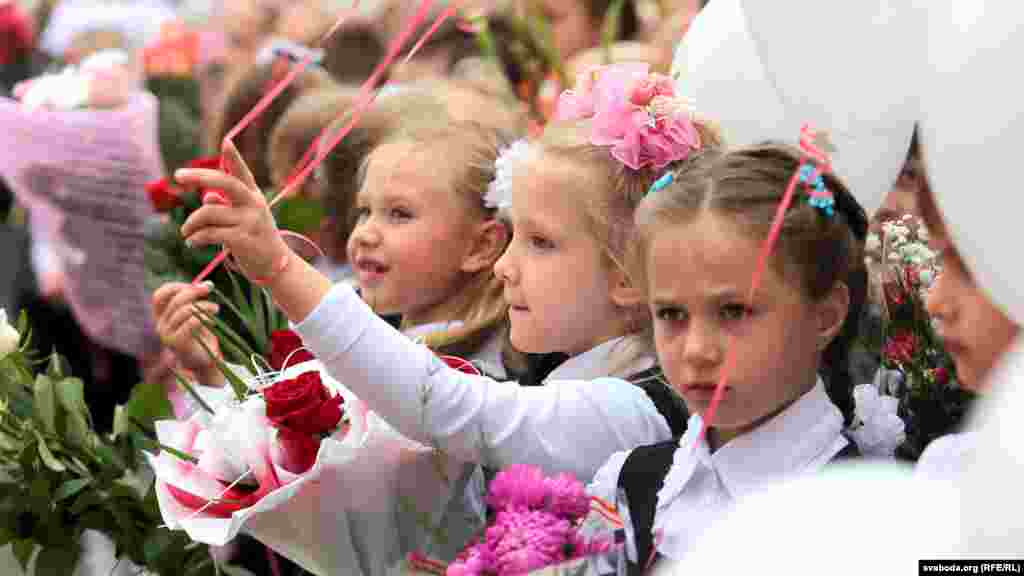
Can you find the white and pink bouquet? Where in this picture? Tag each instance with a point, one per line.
(103, 80)
(239, 457)
(538, 525)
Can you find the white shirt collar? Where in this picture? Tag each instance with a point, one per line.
(801, 438)
(597, 362)
(422, 330)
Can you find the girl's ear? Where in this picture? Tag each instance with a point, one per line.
(488, 244)
(832, 312)
(623, 291)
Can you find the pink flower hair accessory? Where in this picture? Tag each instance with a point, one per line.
(635, 112)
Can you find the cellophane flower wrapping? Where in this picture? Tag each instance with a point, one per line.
(355, 511)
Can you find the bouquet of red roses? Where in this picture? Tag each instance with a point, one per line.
(239, 457)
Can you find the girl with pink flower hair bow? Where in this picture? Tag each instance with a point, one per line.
(570, 197)
(634, 112)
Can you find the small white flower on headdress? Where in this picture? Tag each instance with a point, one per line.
(499, 192)
(878, 430)
(667, 106)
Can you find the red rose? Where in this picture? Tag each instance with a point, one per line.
(162, 196)
(900, 348)
(15, 33)
(303, 404)
(209, 163)
(282, 344)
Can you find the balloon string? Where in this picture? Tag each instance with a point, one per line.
(448, 13)
(366, 97)
(755, 283)
(296, 69)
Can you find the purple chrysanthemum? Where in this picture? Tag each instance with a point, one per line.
(518, 485)
(567, 497)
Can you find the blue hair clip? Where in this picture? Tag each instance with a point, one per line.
(816, 147)
(660, 183)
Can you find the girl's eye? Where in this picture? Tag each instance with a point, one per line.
(670, 314)
(362, 213)
(733, 312)
(541, 243)
(400, 214)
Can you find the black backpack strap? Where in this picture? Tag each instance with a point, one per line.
(642, 476)
(669, 404)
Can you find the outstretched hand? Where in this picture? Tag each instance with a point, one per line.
(241, 221)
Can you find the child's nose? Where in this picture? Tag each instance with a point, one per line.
(702, 346)
(504, 268)
(366, 234)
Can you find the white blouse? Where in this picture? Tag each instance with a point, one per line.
(701, 486)
(569, 425)
(947, 458)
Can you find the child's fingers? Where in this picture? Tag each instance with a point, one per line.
(238, 193)
(163, 295)
(237, 166)
(184, 299)
(182, 315)
(188, 330)
(211, 237)
(211, 216)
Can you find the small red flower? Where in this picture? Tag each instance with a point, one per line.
(162, 196)
(282, 345)
(16, 33)
(900, 348)
(941, 376)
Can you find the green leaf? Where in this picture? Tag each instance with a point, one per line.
(86, 501)
(239, 387)
(228, 338)
(70, 488)
(54, 561)
(155, 545)
(259, 316)
(299, 214)
(56, 367)
(22, 325)
(49, 459)
(109, 457)
(242, 306)
(39, 493)
(71, 397)
(23, 550)
(46, 403)
(148, 403)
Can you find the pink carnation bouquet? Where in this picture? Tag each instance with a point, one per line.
(538, 524)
